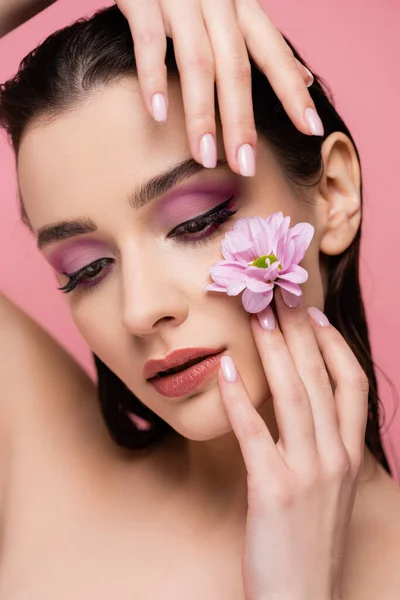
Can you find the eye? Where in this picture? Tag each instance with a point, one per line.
(208, 224)
(84, 276)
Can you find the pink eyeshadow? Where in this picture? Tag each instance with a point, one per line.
(76, 254)
(187, 203)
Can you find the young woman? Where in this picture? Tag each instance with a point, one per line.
(265, 478)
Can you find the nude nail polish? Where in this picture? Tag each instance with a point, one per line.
(159, 107)
(318, 317)
(208, 151)
(266, 319)
(313, 121)
(228, 369)
(247, 160)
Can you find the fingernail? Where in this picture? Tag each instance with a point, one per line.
(140, 423)
(313, 121)
(318, 317)
(208, 151)
(159, 107)
(228, 369)
(290, 300)
(247, 160)
(266, 318)
(311, 76)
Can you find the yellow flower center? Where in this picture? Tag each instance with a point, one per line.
(261, 261)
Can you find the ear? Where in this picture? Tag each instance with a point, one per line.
(339, 190)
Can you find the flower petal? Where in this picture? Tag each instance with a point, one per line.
(293, 288)
(302, 234)
(275, 219)
(236, 247)
(264, 274)
(296, 274)
(255, 303)
(284, 227)
(227, 265)
(241, 227)
(259, 236)
(258, 286)
(235, 287)
(228, 273)
(288, 253)
(214, 287)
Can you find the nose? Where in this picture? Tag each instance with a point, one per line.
(153, 296)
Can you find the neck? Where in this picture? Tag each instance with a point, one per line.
(212, 475)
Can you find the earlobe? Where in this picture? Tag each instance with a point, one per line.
(339, 189)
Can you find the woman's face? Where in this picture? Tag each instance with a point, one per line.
(147, 296)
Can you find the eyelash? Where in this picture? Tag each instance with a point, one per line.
(217, 216)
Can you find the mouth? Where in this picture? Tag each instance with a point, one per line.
(177, 361)
(186, 378)
(183, 366)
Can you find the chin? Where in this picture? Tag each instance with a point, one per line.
(202, 416)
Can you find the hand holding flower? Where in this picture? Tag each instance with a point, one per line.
(301, 489)
(259, 254)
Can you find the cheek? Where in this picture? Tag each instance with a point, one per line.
(98, 325)
(315, 286)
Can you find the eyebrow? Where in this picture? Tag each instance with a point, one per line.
(142, 195)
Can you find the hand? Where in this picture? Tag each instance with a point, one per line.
(301, 490)
(210, 38)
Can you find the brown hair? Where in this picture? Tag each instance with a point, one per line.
(75, 61)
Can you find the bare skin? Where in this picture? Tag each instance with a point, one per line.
(81, 518)
(101, 522)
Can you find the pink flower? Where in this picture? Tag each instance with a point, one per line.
(259, 254)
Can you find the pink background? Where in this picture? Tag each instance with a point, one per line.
(355, 47)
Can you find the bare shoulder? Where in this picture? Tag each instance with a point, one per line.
(36, 372)
(374, 542)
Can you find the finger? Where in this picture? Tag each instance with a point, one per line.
(275, 58)
(196, 68)
(351, 393)
(233, 81)
(256, 442)
(306, 355)
(305, 73)
(150, 45)
(291, 403)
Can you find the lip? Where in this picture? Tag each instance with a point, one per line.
(175, 359)
(187, 381)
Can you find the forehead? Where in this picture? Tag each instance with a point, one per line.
(96, 152)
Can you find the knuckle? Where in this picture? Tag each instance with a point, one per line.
(293, 91)
(310, 479)
(200, 61)
(201, 117)
(357, 461)
(276, 494)
(319, 375)
(240, 122)
(240, 70)
(358, 380)
(153, 75)
(338, 465)
(148, 37)
(282, 495)
(253, 427)
(363, 383)
(298, 326)
(296, 393)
